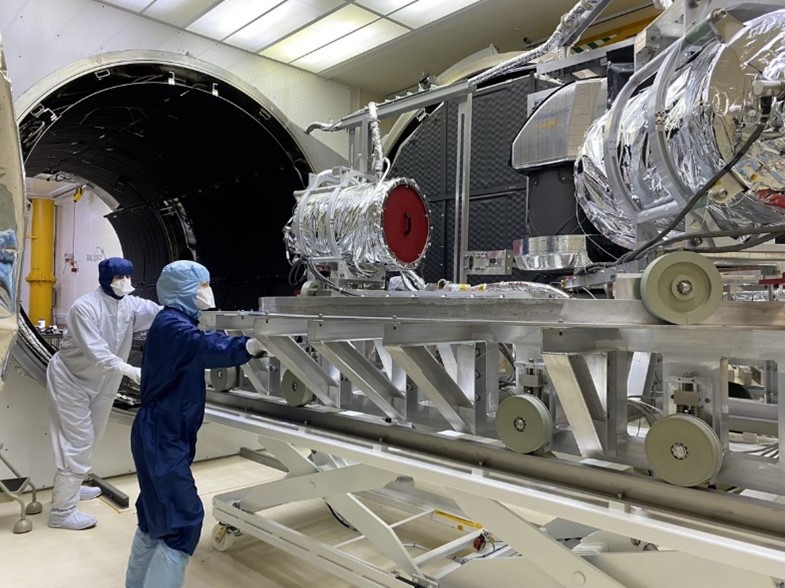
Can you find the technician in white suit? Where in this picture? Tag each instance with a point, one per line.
(83, 378)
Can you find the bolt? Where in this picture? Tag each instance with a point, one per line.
(684, 287)
(679, 451)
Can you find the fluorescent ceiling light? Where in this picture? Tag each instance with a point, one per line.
(230, 16)
(135, 5)
(321, 33)
(424, 12)
(351, 45)
(383, 6)
(178, 12)
(279, 22)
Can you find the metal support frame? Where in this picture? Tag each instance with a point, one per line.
(462, 187)
(485, 493)
(695, 11)
(408, 384)
(550, 556)
(337, 483)
(579, 400)
(425, 372)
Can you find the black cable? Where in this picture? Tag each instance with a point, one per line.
(739, 246)
(636, 253)
(589, 235)
(409, 582)
(727, 233)
(329, 283)
(297, 272)
(507, 353)
(340, 519)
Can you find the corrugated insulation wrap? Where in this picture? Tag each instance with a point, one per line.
(360, 220)
(676, 134)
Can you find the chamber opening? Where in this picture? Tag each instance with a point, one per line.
(187, 158)
(190, 165)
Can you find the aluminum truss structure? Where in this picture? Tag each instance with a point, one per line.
(409, 386)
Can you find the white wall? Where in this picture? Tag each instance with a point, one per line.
(41, 37)
(81, 230)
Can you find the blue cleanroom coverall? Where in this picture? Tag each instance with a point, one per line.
(163, 436)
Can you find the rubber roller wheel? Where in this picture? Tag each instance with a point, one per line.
(224, 379)
(683, 288)
(524, 423)
(294, 391)
(223, 536)
(683, 450)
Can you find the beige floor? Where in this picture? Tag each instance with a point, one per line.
(54, 558)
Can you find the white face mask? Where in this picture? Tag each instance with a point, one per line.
(205, 298)
(122, 286)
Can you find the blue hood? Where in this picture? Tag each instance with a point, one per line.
(111, 267)
(178, 283)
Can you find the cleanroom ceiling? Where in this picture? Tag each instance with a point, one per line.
(380, 46)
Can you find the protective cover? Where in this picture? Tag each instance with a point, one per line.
(708, 113)
(364, 221)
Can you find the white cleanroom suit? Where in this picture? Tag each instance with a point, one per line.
(82, 380)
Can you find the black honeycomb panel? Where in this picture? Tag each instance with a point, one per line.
(494, 223)
(497, 215)
(436, 259)
(139, 232)
(422, 157)
(497, 117)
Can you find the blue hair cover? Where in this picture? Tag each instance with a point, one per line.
(111, 267)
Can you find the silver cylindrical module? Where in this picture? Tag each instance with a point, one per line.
(672, 137)
(360, 220)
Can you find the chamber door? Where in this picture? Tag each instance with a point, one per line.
(12, 214)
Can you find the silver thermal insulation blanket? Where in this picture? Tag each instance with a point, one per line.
(708, 112)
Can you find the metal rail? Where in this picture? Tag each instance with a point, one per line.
(764, 518)
(701, 533)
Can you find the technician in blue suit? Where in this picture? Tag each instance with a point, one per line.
(163, 436)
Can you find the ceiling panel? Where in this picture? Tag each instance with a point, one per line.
(279, 22)
(230, 16)
(135, 5)
(423, 12)
(179, 13)
(368, 37)
(383, 7)
(443, 32)
(332, 27)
